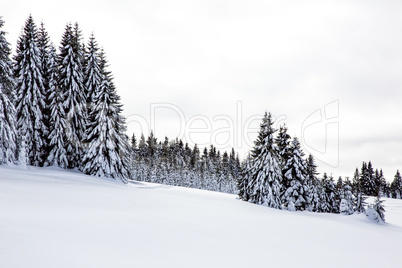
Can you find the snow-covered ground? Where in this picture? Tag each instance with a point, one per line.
(53, 218)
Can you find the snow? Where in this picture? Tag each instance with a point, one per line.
(55, 218)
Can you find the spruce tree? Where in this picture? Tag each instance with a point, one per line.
(313, 185)
(356, 181)
(347, 202)
(396, 186)
(57, 155)
(108, 152)
(92, 73)
(264, 174)
(30, 95)
(44, 51)
(71, 84)
(376, 211)
(7, 109)
(295, 178)
(282, 142)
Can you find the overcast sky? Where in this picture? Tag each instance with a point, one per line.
(330, 70)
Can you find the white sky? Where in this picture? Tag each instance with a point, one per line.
(217, 64)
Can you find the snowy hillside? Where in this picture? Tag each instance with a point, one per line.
(54, 218)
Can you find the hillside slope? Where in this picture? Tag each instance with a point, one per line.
(54, 218)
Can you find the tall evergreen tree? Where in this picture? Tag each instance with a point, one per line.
(7, 109)
(71, 84)
(44, 51)
(313, 184)
(396, 186)
(356, 182)
(30, 95)
(367, 179)
(282, 142)
(295, 177)
(92, 72)
(108, 152)
(57, 155)
(265, 175)
(347, 202)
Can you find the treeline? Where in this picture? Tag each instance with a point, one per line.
(60, 108)
(174, 163)
(277, 175)
(373, 183)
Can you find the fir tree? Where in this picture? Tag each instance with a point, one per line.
(265, 175)
(396, 186)
(72, 86)
(108, 151)
(356, 181)
(294, 177)
(367, 179)
(92, 74)
(44, 51)
(57, 155)
(376, 211)
(7, 109)
(283, 145)
(30, 95)
(347, 202)
(313, 184)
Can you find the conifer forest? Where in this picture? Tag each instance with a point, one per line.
(59, 107)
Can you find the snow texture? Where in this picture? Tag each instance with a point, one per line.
(54, 218)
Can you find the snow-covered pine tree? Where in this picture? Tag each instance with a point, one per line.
(92, 76)
(295, 176)
(356, 182)
(7, 78)
(44, 50)
(265, 175)
(329, 203)
(72, 86)
(376, 211)
(347, 202)
(30, 95)
(333, 195)
(396, 186)
(367, 179)
(243, 180)
(108, 152)
(313, 185)
(282, 142)
(57, 155)
(380, 182)
(7, 109)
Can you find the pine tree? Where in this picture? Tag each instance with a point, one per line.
(367, 179)
(283, 145)
(265, 175)
(92, 74)
(57, 155)
(396, 186)
(30, 95)
(7, 109)
(376, 211)
(72, 86)
(356, 181)
(313, 185)
(108, 152)
(295, 178)
(347, 202)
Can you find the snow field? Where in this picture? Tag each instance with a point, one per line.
(55, 218)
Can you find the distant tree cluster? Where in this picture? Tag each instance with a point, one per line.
(60, 108)
(277, 175)
(373, 183)
(175, 163)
